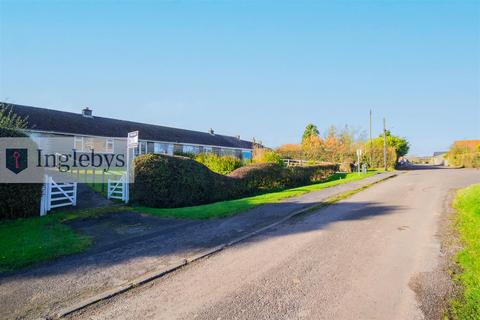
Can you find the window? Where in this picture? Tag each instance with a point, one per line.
(87, 144)
(216, 150)
(141, 148)
(150, 147)
(78, 143)
(207, 149)
(161, 148)
(177, 149)
(109, 146)
(227, 152)
(191, 149)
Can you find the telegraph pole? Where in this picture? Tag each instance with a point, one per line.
(370, 149)
(384, 145)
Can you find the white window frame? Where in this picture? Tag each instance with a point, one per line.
(81, 140)
(88, 145)
(75, 140)
(107, 142)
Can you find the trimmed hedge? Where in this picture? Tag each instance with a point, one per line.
(164, 181)
(172, 181)
(260, 176)
(270, 176)
(18, 200)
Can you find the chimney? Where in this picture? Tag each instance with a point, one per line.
(211, 131)
(87, 113)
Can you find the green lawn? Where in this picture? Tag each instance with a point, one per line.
(467, 204)
(27, 241)
(228, 208)
(97, 180)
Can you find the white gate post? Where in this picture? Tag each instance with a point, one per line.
(126, 188)
(43, 200)
(74, 194)
(49, 193)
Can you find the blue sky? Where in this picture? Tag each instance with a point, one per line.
(260, 69)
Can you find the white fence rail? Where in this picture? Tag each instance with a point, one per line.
(55, 195)
(295, 162)
(118, 189)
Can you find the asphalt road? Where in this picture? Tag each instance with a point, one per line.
(353, 260)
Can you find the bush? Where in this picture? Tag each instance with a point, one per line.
(271, 176)
(459, 156)
(347, 166)
(299, 176)
(164, 181)
(18, 200)
(219, 164)
(263, 155)
(261, 176)
(374, 155)
(290, 151)
(170, 181)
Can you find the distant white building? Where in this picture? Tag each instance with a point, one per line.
(439, 159)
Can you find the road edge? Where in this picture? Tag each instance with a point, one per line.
(155, 274)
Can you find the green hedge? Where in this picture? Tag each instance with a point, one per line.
(170, 181)
(164, 181)
(219, 164)
(18, 200)
(272, 176)
(260, 176)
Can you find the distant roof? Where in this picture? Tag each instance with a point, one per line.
(470, 144)
(75, 123)
(439, 153)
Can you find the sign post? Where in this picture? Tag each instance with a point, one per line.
(132, 143)
(359, 154)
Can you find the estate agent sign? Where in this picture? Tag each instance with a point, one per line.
(132, 139)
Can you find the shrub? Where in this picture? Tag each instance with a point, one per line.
(290, 151)
(219, 164)
(374, 155)
(164, 181)
(263, 155)
(461, 156)
(261, 176)
(18, 200)
(347, 166)
(298, 176)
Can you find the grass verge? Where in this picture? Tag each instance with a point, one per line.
(27, 241)
(467, 203)
(231, 207)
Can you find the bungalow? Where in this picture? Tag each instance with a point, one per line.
(106, 135)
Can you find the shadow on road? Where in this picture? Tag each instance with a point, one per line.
(125, 236)
(422, 167)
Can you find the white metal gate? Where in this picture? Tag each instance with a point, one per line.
(118, 189)
(56, 195)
